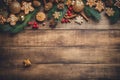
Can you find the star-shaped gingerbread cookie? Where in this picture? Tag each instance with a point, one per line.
(91, 3)
(27, 7)
(99, 6)
(109, 11)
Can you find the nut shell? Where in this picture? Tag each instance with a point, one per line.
(36, 3)
(15, 7)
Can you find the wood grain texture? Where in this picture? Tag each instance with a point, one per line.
(62, 72)
(69, 52)
(52, 38)
(14, 56)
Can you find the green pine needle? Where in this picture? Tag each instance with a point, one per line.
(62, 13)
(91, 12)
(5, 27)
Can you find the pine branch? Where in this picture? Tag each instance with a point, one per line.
(113, 19)
(62, 13)
(91, 12)
(50, 12)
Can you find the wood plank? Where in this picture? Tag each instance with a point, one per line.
(56, 55)
(62, 72)
(102, 24)
(53, 38)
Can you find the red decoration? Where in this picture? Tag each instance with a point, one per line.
(65, 20)
(34, 24)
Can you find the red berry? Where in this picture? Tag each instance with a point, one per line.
(30, 23)
(66, 20)
(69, 14)
(63, 20)
(70, 8)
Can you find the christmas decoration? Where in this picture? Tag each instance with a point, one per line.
(99, 5)
(27, 63)
(2, 19)
(69, 3)
(117, 3)
(60, 6)
(109, 11)
(21, 16)
(79, 20)
(52, 23)
(27, 7)
(20, 12)
(91, 12)
(15, 7)
(64, 20)
(36, 3)
(12, 19)
(56, 15)
(48, 6)
(78, 6)
(91, 3)
(40, 16)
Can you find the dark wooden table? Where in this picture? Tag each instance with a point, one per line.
(90, 51)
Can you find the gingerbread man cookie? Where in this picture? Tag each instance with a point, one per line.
(12, 19)
(27, 7)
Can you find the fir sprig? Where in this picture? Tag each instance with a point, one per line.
(91, 12)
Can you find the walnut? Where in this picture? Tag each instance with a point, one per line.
(36, 3)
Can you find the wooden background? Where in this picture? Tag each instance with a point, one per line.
(90, 51)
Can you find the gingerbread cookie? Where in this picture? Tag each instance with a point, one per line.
(109, 11)
(12, 19)
(27, 7)
(99, 6)
(117, 3)
(2, 19)
(91, 3)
